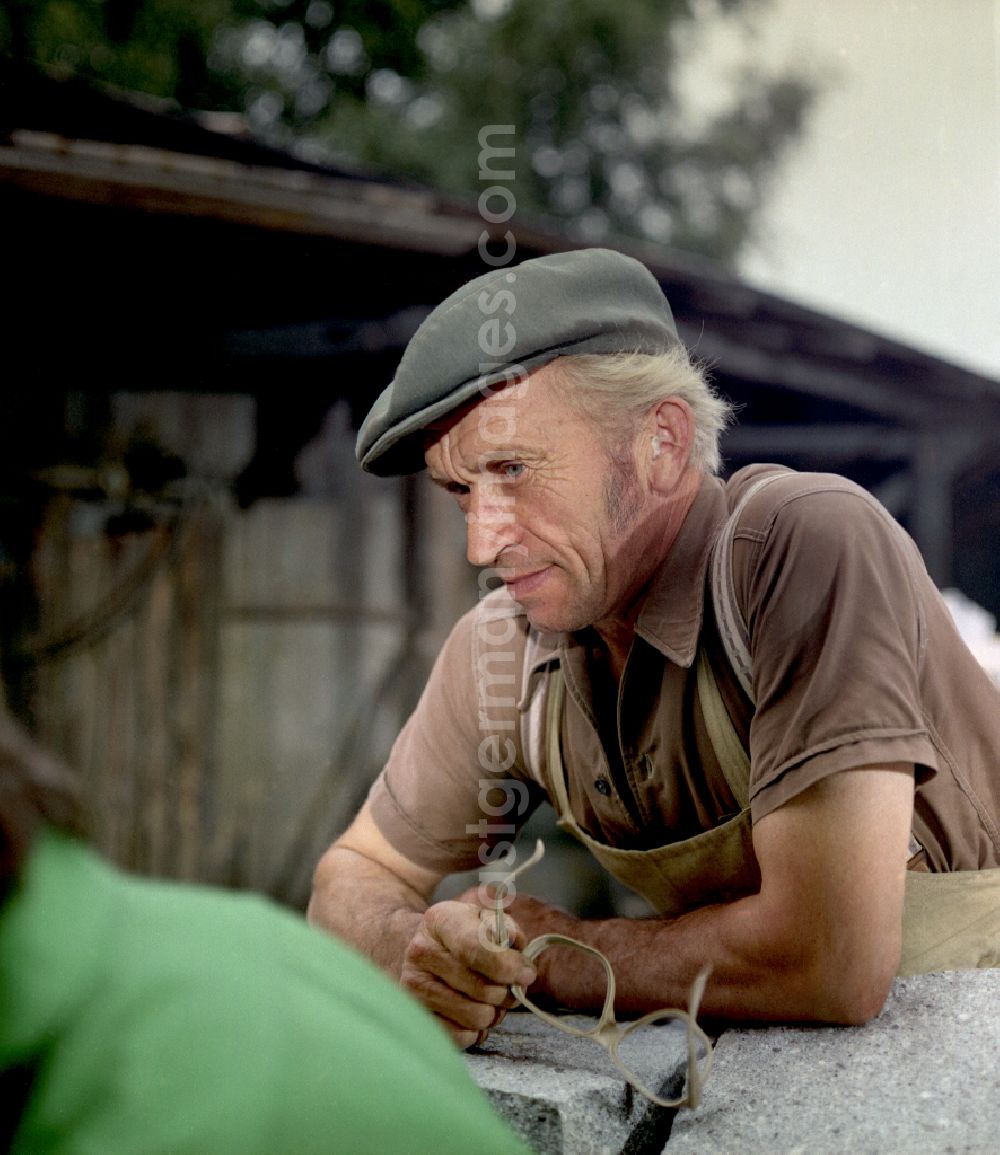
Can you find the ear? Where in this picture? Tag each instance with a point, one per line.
(671, 428)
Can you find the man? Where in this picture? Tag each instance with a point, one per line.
(555, 402)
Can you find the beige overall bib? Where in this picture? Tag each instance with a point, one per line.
(950, 921)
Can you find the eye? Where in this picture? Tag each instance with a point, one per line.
(511, 470)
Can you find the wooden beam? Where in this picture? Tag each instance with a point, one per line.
(151, 180)
(819, 442)
(863, 390)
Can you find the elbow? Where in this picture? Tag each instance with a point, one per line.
(314, 907)
(835, 975)
(851, 990)
(324, 885)
(857, 1004)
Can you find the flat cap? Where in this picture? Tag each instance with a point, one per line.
(499, 326)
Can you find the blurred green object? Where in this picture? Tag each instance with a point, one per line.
(142, 1018)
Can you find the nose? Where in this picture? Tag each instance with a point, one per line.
(490, 524)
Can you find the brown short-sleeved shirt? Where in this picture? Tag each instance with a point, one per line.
(856, 662)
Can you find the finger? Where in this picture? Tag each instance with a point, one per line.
(511, 933)
(426, 955)
(462, 1037)
(461, 952)
(447, 1003)
(467, 1038)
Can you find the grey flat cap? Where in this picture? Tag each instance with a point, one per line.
(504, 323)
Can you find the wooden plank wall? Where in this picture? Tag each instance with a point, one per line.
(228, 683)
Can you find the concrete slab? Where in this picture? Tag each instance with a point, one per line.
(563, 1096)
(924, 1077)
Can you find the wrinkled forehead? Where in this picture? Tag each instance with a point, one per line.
(504, 417)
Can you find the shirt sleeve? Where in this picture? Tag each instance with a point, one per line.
(454, 788)
(836, 642)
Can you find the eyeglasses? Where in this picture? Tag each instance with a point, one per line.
(608, 1031)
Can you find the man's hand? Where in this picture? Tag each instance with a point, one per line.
(373, 897)
(535, 917)
(454, 968)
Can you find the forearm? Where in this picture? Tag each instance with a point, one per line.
(366, 905)
(820, 942)
(761, 970)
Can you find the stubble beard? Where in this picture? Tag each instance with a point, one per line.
(621, 488)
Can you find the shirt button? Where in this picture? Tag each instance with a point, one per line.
(602, 786)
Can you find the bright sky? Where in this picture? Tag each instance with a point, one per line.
(888, 213)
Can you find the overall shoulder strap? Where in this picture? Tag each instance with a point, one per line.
(733, 759)
(535, 693)
(732, 627)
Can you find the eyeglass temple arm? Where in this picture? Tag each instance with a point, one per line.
(607, 1032)
(503, 888)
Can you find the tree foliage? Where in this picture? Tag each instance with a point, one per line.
(606, 138)
(159, 47)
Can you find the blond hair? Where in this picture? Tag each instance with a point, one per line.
(617, 390)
